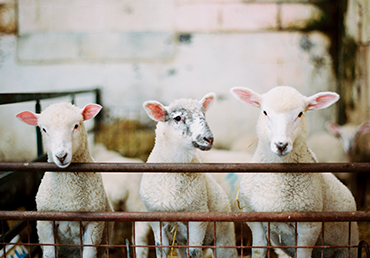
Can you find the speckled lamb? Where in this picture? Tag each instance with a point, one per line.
(181, 129)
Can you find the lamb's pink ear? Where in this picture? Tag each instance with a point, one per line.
(208, 100)
(90, 111)
(333, 128)
(246, 95)
(28, 117)
(363, 128)
(156, 111)
(321, 100)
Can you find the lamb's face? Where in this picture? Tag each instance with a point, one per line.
(189, 125)
(183, 122)
(61, 126)
(283, 119)
(63, 130)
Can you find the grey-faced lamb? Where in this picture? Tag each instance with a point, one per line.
(65, 139)
(282, 130)
(181, 130)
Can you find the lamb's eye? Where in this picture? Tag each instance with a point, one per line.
(177, 118)
(264, 112)
(300, 114)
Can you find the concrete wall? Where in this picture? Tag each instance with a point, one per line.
(355, 66)
(137, 50)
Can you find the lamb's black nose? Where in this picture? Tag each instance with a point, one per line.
(281, 146)
(209, 140)
(61, 159)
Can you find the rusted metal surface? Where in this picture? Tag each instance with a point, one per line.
(9, 98)
(237, 217)
(188, 216)
(189, 167)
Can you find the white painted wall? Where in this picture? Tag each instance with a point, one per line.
(134, 51)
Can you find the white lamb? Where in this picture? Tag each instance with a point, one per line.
(181, 130)
(282, 131)
(65, 139)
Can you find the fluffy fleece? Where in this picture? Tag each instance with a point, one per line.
(182, 129)
(123, 193)
(282, 131)
(65, 139)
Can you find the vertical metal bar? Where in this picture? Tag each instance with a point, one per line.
(107, 227)
(322, 239)
(2, 234)
(349, 238)
(187, 240)
(241, 240)
(29, 237)
(99, 117)
(160, 238)
(134, 238)
(268, 239)
(214, 239)
(81, 243)
(73, 99)
(55, 239)
(40, 150)
(295, 239)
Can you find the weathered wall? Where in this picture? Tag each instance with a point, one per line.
(355, 59)
(165, 49)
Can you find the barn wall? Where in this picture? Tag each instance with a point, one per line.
(137, 50)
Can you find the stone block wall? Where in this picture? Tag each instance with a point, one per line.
(137, 50)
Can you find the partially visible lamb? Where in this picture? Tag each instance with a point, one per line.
(65, 139)
(123, 193)
(181, 130)
(228, 181)
(355, 142)
(328, 148)
(282, 131)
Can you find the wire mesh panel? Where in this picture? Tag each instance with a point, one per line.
(128, 249)
(24, 241)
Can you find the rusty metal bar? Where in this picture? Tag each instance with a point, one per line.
(189, 167)
(10, 98)
(189, 216)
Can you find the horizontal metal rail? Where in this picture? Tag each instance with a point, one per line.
(10, 98)
(189, 167)
(189, 216)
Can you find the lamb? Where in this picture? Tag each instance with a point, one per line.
(282, 130)
(355, 142)
(181, 130)
(65, 139)
(123, 193)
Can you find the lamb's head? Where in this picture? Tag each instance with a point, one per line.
(283, 118)
(62, 128)
(348, 134)
(184, 120)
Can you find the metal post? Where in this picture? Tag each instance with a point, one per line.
(40, 150)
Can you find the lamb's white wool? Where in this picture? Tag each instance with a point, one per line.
(228, 181)
(65, 139)
(181, 130)
(282, 131)
(123, 193)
